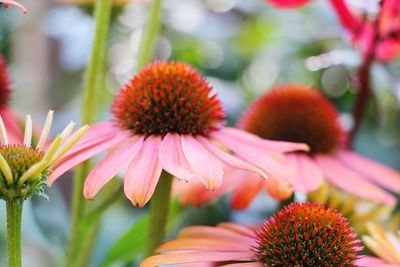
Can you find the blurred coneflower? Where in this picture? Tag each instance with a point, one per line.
(299, 235)
(8, 3)
(300, 114)
(166, 118)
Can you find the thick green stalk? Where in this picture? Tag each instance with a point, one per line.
(159, 208)
(150, 33)
(93, 78)
(14, 220)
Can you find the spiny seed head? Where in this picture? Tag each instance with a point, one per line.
(20, 158)
(306, 234)
(167, 97)
(5, 90)
(297, 114)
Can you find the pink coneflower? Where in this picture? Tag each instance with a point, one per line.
(10, 119)
(300, 114)
(166, 118)
(7, 3)
(25, 166)
(299, 235)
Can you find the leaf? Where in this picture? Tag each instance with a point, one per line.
(131, 245)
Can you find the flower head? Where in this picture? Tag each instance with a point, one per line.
(300, 114)
(168, 98)
(299, 235)
(25, 167)
(307, 235)
(7, 3)
(167, 118)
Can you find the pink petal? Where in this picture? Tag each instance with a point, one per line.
(251, 139)
(203, 243)
(238, 229)
(288, 3)
(308, 176)
(348, 20)
(252, 152)
(193, 257)
(14, 3)
(368, 261)
(372, 170)
(173, 159)
(246, 190)
(350, 181)
(69, 161)
(226, 231)
(11, 122)
(110, 165)
(244, 264)
(143, 172)
(229, 159)
(204, 164)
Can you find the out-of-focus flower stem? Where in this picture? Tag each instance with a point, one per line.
(149, 35)
(159, 208)
(14, 220)
(93, 78)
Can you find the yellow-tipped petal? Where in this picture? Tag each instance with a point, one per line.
(5, 168)
(28, 131)
(34, 171)
(69, 143)
(46, 130)
(68, 130)
(3, 132)
(53, 148)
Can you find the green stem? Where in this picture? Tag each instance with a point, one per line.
(93, 78)
(14, 220)
(150, 33)
(159, 208)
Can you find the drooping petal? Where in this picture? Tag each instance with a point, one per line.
(348, 20)
(227, 231)
(193, 257)
(173, 159)
(244, 264)
(253, 153)
(203, 243)
(352, 182)
(143, 172)
(69, 161)
(229, 159)
(110, 165)
(372, 170)
(251, 139)
(278, 189)
(367, 261)
(204, 164)
(246, 190)
(238, 229)
(308, 176)
(288, 3)
(6, 4)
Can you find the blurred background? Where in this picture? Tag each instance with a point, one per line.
(244, 48)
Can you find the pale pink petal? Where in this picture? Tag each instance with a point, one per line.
(229, 159)
(204, 243)
(225, 231)
(352, 182)
(206, 166)
(143, 172)
(110, 165)
(15, 3)
(173, 159)
(372, 170)
(69, 161)
(368, 261)
(193, 257)
(244, 264)
(253, 153)
(246, 190)
(238, 229)
(308, 176)
(251, 139)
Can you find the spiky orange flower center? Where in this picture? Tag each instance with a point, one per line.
(307, 235)
(5, 90)
(167, 97)
(297, 114)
